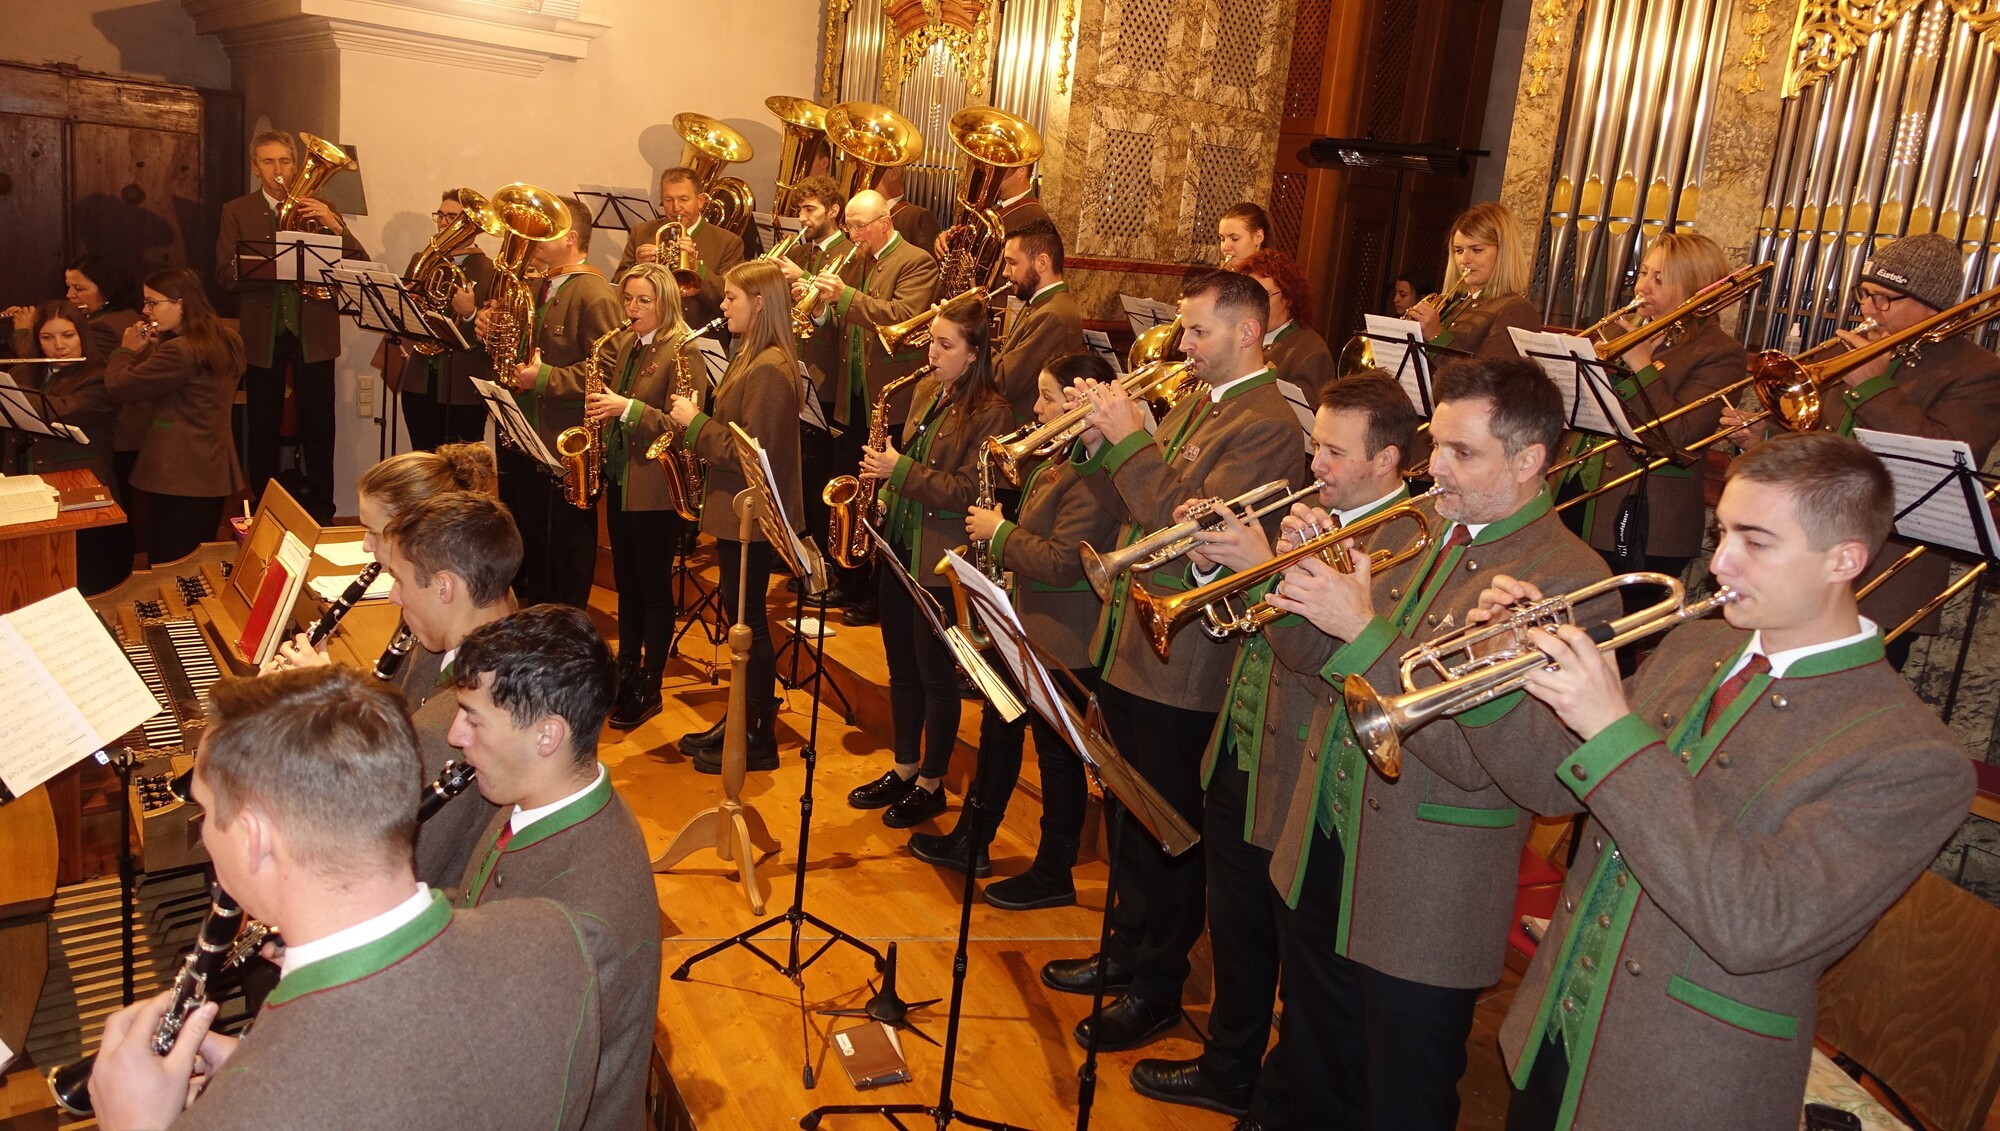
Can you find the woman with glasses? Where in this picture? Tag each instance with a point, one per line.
(185, 363)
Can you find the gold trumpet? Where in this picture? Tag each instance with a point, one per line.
(1480, 663)
(1162, 615)
(807, 307)
(1170, 542)
(1012, 450)
(914, 332)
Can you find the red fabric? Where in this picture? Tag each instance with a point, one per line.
(1733, 686)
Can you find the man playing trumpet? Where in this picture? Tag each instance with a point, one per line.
(716, 249)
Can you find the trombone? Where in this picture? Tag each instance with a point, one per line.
(1030, 440)
(1161, 616)
(1480, 663)
(1166, 544)
(1791, 390)
(914, 332)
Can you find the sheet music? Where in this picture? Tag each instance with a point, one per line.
(811, 412)
(714, 358)
(1146, 313)
(1589, 402)
(1099, 343)
(1398, 347)
(513, 424)
(1925, 511)
(344, 554)
(989, 603)
(320, 252)
(69, 687)
(18, 411)
(329, 586)
(1302, 407)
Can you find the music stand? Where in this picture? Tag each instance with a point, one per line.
(1587, 383)
(812, 416)
(289, 257)
(1398, 341)
(621, 209)
(30, 411)
(513, 429)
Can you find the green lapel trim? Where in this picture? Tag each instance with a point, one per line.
(1257, 380)
(371, 958)
(1530, 511)
(1844, 658)
(1047, 295)
(444, 674)
(569, 816)
(1283, 332)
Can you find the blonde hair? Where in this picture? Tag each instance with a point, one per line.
(772, 326)
(411, 477)
(1689, 261)
(666, 295)
(1492, 223)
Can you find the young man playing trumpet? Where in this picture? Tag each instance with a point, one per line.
(1402, 891)
(1759, 792)
(716, 249)
(1050, 325)
(1255, 757)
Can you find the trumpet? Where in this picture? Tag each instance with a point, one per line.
(1013, 449)
(807, 308)
(684, 262)
(1166, 544)
(1480, 663)
(1162, 616)
(914, 332)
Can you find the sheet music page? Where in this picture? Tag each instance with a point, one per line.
(69, 687)
(344, 554)
(1146, 313)
(513, 425)
(1099, 343)
(1404, 341)
(322, 253)
(18, 410)
(713, 356)
(1915, 465)
(1589, 402)
(1029, 674)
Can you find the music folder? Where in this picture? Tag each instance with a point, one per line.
(1940, 498)
(513, 426)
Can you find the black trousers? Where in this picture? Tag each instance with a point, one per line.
(1535, 1107)
(846, 460)
(431, 423)
(312, 423)
(558, 541)
(923, 679)
(762, 671)
(1160, 900)
(816, 467)
(1363, 1049)
(642, 548)
(177, 524)
(1064, 792)
(1636, 597)
(1243, 930)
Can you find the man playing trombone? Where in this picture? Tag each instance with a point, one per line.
(1759, 793)
(1402, 889)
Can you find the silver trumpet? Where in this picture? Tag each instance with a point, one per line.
(1479, 663)
(1164, 545)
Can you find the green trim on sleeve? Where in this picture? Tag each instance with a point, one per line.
(542, 380)
(845, 300)
(1469, 816)
(694, 429)
(1116, 455)
(1597, 759)
(999, 547)
(1086, 462)
(1359, 654)
(634, 409)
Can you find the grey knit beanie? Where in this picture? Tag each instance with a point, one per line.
(1927, 268)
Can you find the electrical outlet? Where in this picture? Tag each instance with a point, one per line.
(364, 397)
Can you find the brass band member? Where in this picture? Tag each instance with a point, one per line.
(308, 780)
(889, 281)
(760, 394)
(185, 363)
(654, 355)
(1682, 365)
(533, 690)
(1237, 434)
(1049, 326)
(77, 397)
(577, 308)
(1948, 390)
(822, 219)
(440, 406)
(1254, 762)
(929, 483)
(1241, 232)
(914, 222)
(1294, 349)
(719, 249)
(1403, 892)
(1408, 289)
(283, 328)
(1020, 204)
(106, 295)
(1056, 606)
(1712, 888)
(1492, 264)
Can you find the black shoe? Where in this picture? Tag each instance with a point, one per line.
(710, 761)
(1079, 976)
(885, 790)
(837, 597)
(949, 852)
(710, 739)
(916, 806)
(1030, 890)
(1248, 1125)
(860, 615)
(1129, 1023)
(636, 709)
(1184, 1082)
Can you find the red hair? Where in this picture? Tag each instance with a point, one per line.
(1273, 264)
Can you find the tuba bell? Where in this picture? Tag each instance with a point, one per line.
(433, 277)
(804, 142)
(711, 147)
(867, 139)
(993, 141)
(528, 215)
(323, 160)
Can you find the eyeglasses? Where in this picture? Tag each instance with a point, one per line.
(444, 214)
(1880, 300)
(863, 225)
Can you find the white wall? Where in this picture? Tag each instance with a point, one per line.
(149, 39)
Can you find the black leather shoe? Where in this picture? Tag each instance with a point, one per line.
(1030, 890)
(861, 615)
(885, 790)
(1129, 1023)
(1079, 976)
(949, 851)
(639, 707)
(710, 739)
(836, 598)
(1184, 1082)
(916, 806)
(710, 761)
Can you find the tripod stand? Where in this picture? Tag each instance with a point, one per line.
(710, 600)
(796, 649)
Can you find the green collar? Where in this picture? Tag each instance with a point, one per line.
(587, 805)
(1264, 376)
(1844, 658)
(369, 958)
(1530, 511)
(1053, 290)
(1282, 332)
(1401, 496)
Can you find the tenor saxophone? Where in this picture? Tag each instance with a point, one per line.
(581, 446)
(847, 495)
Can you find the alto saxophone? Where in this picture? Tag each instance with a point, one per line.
(980, 553)
(847, 495)
(685, 474)
(581, 446)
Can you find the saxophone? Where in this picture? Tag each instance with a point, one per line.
(847, 495)
(684, 468)
(581, 446)
(980, 554)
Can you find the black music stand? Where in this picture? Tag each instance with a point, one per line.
(616, 208)
(300, 258)
(812, 418)
(32, 413)
(1415, 377)
(512, 427)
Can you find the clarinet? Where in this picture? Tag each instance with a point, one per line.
(324, 628)
(392, 657)
(452, 782)
(71, 1082)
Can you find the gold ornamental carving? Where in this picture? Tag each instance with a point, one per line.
(917, 27)
(1829, 32)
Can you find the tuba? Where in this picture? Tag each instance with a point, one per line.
(434, 277)
(323, 160)
(685, 476)
(867, 139)
(711, 146)
(846, 496)
(803, 143)
(581, 446)
(993, 141)
(528, 215)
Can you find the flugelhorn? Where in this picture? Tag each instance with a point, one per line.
(914, 332)
(807, 308)
(1480, 663)
(1161, 615)
(1170, 542)
(1012, 450)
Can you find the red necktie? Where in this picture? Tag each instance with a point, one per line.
(1732, 687)
(506, 834)
(1459, 536)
